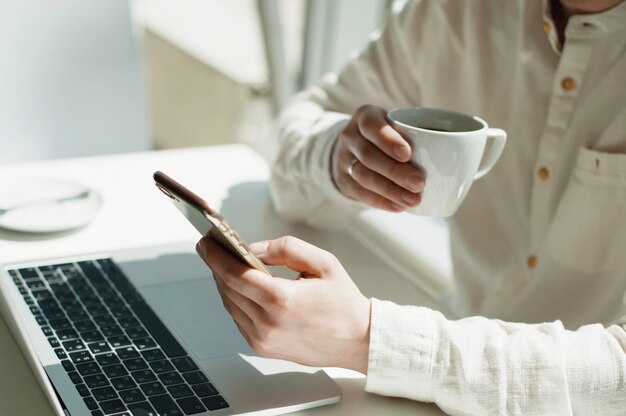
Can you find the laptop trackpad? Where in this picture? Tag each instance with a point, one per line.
(194, 310)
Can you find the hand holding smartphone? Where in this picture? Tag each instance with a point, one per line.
(207, 220)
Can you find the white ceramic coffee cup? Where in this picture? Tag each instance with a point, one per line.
(448, 147)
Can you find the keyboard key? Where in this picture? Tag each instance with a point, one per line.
(81, 357)
(29, 273)
(179, 391)
(161, 366)
(113, 406)
(66, 334)
(96, 380)
(111, 330)
(191, 405)
(54, 343)
(126, 353)
(144, 343)
(204, 389)
(127, 323)
(116, 370)
(41, 320)
(104, 393)
(195, 378)
(60, 323)
(47, 331)
(123, 383)
(60, 352)
(73, 345)
(119, 341)
(53, 314)
(102, 319)
(91, 403)
(87, 369)
(85, 325)
(120, 312)
(75, 377)
(82, 390)
(107, 359)
(99, 347)
(165, 406)
(132, 395)
(152, 389)
(92, 336)
(136, 332)
(77, 315)
(134, 364)
(171, 378)
(152, 355)
(215, 403)
(143, 376)
(141, 409)
(35, 284)
(98, 310)
(157, 329)
(67, 364)
(97, 413)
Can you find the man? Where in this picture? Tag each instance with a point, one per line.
(539, 245)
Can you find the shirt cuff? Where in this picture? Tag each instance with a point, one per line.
(403, 343)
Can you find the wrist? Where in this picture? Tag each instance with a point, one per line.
(362, 341)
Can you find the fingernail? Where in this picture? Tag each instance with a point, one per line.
(409, 198)
(397, 207)
(401, 152)
(415, 183)
(259, 248)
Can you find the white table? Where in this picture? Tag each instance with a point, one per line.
(134, 214)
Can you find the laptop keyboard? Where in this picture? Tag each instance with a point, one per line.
(115, 349)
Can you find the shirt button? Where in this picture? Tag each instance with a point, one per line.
(543, 173)
(568, 83)
(531, 261)
(546, 26)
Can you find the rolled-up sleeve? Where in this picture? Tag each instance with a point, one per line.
(307, 129)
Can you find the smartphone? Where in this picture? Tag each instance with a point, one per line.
(207, 220)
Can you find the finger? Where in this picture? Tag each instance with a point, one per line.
(248, 306)
(380, 185)
(373, 125)
(352, 189)
(404, 175)
(253, 284)
(243, 321)
(298, 255)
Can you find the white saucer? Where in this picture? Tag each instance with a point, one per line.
(45, 205)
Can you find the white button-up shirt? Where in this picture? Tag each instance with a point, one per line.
(540, 240)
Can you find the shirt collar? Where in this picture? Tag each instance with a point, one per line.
(585, 26)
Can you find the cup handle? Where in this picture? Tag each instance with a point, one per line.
(498, 137)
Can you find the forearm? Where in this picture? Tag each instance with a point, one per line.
(301, 184)
(482, 366)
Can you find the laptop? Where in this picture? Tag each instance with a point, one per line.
(143, 332)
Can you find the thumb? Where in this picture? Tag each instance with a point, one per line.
(298, 255)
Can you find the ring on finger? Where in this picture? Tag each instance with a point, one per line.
(352, 165)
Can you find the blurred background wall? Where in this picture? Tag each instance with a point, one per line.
(84, 77)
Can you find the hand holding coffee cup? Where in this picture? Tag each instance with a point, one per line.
(448, 147)
(370, 163)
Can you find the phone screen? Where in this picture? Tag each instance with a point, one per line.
(206, 220)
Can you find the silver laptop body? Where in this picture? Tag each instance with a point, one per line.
(180, 290)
